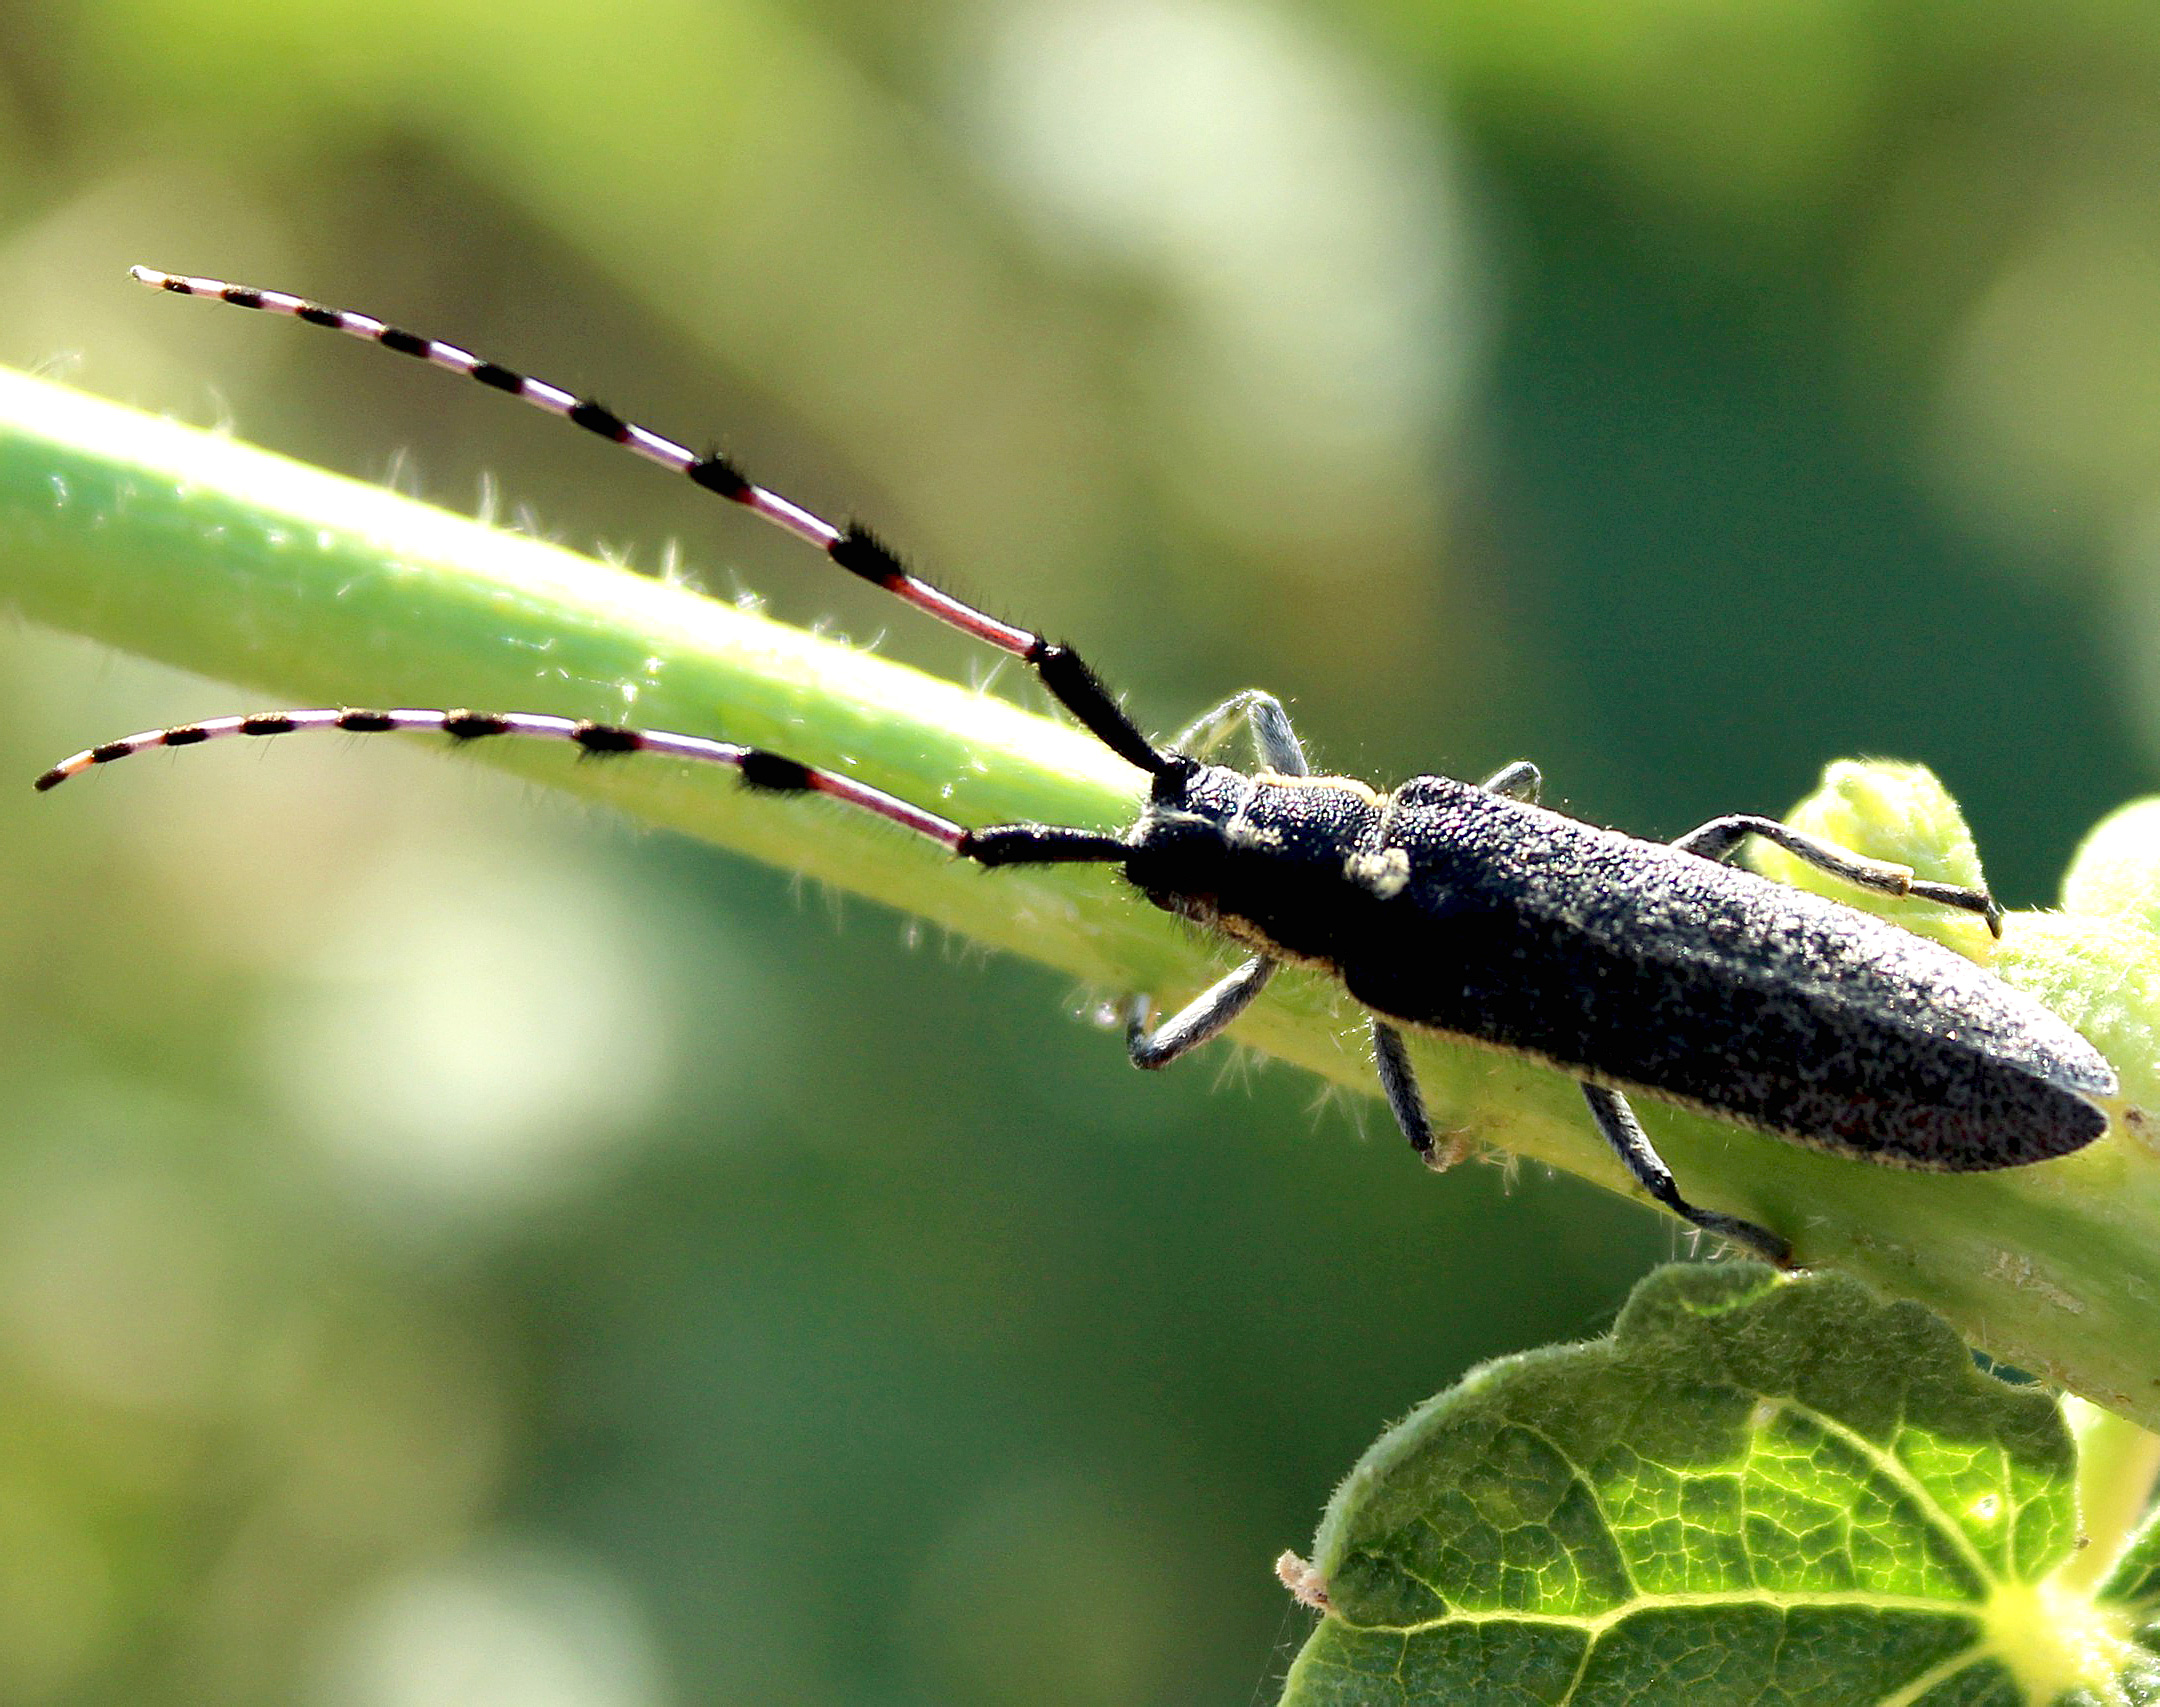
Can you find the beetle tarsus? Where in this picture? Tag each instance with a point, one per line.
(1205, 1017)
(1967, 900)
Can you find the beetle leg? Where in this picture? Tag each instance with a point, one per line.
(1521, 780)
(1717, 839)
(1392, 1057)
(1275, 743)
(1617, 1124)
(1206, 1016)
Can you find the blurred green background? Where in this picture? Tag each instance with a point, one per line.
(455, 1248)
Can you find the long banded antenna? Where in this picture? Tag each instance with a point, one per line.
(767, 772)
(1064, 674)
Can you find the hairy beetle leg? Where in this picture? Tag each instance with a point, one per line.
(1205, 1017)
(1391, 1055)
(1717, 839)
(1274, 742)
(1617, 1124)
(1521, 780)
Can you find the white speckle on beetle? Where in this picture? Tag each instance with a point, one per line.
(1386, 871)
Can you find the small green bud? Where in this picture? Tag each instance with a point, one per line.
(2116, 873)
(2103, 976)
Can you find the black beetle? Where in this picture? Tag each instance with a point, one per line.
(1465, 910)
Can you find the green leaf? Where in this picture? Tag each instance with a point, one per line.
(1759, 1490)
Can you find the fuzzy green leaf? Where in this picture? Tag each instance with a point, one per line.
(1759, 1490)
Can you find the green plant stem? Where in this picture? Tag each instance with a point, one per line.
(311, 589)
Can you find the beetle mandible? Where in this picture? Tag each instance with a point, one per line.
(1470, 911)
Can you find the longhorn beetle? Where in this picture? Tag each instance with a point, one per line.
(1469, 911)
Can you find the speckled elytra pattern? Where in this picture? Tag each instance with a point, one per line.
(1633, 964)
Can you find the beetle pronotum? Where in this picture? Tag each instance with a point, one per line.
(1466, 910)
